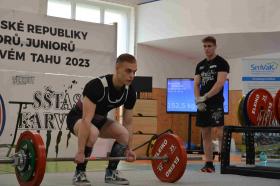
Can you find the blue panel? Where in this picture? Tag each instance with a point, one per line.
(180, 96)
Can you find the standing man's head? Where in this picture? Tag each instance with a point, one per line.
(209, 45)
(126, 68)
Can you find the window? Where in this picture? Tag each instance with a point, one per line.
(85, 12)
(97, 12)
(59, 8)
(112, 16)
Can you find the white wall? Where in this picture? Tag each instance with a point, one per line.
(161, 64)
(268, 56)
(235, 75)
(176, 18)
(34, 6)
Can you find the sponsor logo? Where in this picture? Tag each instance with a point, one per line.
(23, 80)
(2, 115)
(266, 67)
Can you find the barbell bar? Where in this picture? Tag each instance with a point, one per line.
(110, 158)
(12, 160)
(168, 158)
(6, 161)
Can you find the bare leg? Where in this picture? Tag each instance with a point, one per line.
(93, 135)
(208, 150)
(207, 143)
(219, 133)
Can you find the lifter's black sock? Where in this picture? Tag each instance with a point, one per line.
(118, 150)
(82, 166)
(209, 164)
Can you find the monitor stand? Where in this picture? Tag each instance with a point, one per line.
(189, 149)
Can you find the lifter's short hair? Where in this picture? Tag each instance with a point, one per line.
(209, 39)
(126, 58)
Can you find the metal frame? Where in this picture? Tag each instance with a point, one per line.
(149, 142)
(251, 169)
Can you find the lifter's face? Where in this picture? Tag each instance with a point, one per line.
(126, 72)
(209, 49)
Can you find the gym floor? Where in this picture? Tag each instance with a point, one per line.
(139, 173)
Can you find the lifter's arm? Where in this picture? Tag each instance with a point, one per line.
(127, 123)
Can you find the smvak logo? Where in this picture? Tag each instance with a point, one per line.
(2, 115)
(267, 67)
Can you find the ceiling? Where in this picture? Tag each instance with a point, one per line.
(236, 45)
(230, 45)
(129, 2)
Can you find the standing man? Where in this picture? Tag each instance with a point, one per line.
(210, 76)
(88, 119)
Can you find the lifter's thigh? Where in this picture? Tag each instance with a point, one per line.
(94, 132)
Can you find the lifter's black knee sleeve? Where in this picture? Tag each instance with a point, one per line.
(118, 150)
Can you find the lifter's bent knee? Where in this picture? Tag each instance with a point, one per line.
(123, 137)
(81, 125)
(94, 133)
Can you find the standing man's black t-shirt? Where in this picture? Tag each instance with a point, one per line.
(208, 71)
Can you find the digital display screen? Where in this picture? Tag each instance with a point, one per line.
(180, 96)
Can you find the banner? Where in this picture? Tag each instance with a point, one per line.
(38, 43)
(50, 101)
(261, 73)
(46, 61)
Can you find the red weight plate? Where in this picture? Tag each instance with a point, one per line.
(40, 160)
(276, 106)
(2, 115)
(170, 170)
(259, 107)
(244, 109)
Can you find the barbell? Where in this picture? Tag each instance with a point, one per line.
(169, 158)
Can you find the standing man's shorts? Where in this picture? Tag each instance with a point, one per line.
(75, 114)
(212, 117)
